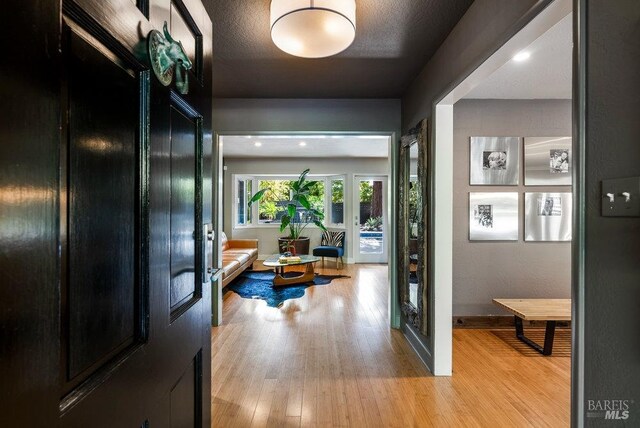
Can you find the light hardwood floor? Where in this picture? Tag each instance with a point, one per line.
(330, 359)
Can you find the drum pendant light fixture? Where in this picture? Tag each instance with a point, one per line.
(313, 28)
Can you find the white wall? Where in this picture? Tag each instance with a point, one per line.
(268, 234)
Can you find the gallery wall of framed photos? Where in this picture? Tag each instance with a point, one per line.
(519, 169)
(495, 161)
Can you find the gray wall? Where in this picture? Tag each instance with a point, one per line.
(486, 270)
(611, 245)
(268, 235)
(290, 115)
(483, 29)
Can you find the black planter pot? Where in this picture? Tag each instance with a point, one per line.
(300, 245)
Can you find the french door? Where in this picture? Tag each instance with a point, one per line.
(370, 219)
(108, 269)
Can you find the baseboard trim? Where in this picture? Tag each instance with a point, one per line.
(498, 321)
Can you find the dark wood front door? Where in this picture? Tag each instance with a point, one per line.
(105, 202)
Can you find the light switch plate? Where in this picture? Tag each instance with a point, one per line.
(621, 207)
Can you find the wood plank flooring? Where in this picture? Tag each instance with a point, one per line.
(330, 359)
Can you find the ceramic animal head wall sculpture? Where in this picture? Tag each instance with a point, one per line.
(168, 58)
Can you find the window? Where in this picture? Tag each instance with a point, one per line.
(273, 204)
(337, 201)
(243, 196)
(326, 195)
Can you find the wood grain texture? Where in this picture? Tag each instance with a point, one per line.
(537, 309)
(330, 359)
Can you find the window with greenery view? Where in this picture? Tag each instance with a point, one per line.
(325, 194)
(273, 204)
(244, 193)
(337, 201)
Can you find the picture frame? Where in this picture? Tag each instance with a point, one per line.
(548, 216)
(494, 161)
(548, 161)
(494, 216)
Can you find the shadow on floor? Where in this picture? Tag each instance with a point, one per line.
(561, 343)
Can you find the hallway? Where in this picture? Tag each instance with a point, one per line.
(329, 359)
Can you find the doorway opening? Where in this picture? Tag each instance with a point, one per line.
(371, 220)
(509, 84)
(349, 172)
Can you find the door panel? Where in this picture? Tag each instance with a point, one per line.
(105, 189)
(184, 234)
(101, 293)
(185, 396)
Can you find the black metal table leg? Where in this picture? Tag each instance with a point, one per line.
(548, 336)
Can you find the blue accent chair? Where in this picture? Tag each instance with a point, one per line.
(331, 245)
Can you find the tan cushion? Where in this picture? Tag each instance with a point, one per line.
(242, 258)
(229, 266)
(236, 252)
(224, 242)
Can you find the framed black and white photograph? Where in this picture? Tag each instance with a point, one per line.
(494, 161)
(547, 161)
(493, 216)
(547, 217)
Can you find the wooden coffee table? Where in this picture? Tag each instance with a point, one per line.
(279, 280)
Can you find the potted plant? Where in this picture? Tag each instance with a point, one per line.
(293, 219)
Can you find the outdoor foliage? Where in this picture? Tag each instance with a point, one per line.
(366, 191)
(373, 223)
(337, 191)
(300, 193)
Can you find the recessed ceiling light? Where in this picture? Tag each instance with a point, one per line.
(521, 56)
(302, 143)
(258, 144)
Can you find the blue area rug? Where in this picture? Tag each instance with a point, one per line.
(259, 285)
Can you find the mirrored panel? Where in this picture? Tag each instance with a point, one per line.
(412, 228)
(493, 216)
(547, 161)
(547, 217)
(494, 160)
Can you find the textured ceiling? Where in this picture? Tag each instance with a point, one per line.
(394, 39)
(546, 74)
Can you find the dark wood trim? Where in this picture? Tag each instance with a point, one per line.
(197, 36)
(184, 108)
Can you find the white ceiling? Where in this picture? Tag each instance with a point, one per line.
(317, 146)
(545, 75)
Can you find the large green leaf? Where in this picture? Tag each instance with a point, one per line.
(303, 176)
(319, 224)
(304, 201)
(284, 222)
(257, 196)
(317, 213)
(291, 208)
(296, 186)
